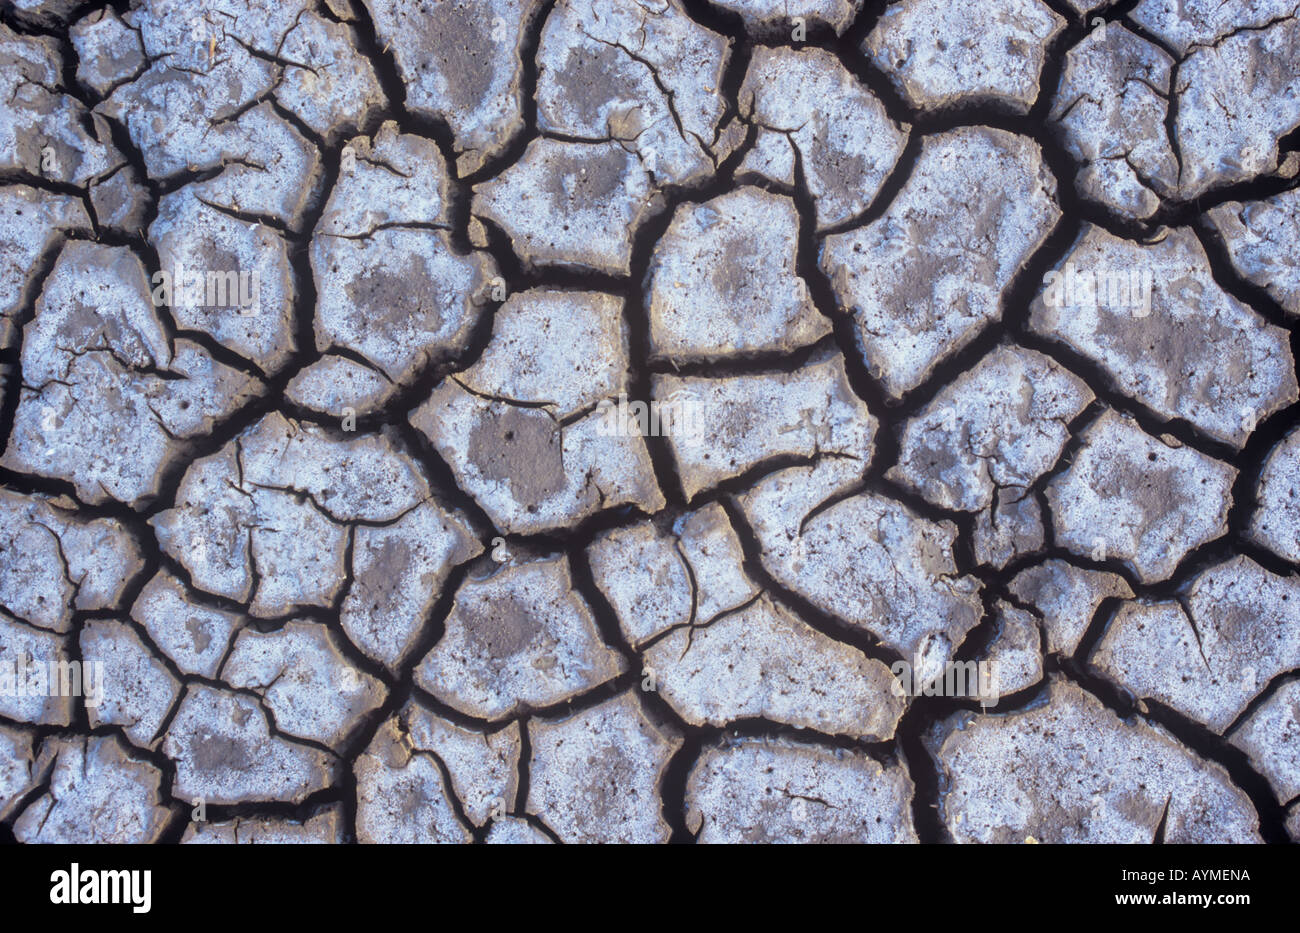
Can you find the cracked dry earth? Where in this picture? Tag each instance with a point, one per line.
(357, 560)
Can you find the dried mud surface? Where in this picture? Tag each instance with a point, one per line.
(989, 318)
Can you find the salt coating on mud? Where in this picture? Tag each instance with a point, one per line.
(984, 324)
